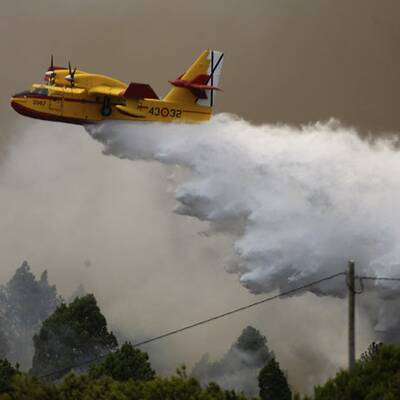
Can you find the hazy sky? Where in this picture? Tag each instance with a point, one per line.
(63, 203)
(286, 60)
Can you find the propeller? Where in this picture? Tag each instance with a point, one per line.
(50, 75)
(71, 74)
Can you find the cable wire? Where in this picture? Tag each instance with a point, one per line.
(202, 322)
(378, 278)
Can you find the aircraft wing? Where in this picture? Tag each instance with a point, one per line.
(107, 91)
(133, 91)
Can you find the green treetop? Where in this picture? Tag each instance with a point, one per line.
(273, 383)
(126, 363)
(376, 376)
(72, 335)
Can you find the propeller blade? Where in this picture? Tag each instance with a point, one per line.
(49, 76)
(70, 76)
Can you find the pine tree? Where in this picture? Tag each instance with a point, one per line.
(72, 335)
(126, 363)
(375, 376)
(7, 372)
(29, 301)
(4, 346)
(24, 303)
(273, 383)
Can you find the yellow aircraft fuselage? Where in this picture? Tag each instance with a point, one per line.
(79, 97)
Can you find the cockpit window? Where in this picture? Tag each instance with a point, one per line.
(25, 93)
(41, 91)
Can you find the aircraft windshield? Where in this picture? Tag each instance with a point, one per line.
(42, 91)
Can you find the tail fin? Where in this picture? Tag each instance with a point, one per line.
(199, 83)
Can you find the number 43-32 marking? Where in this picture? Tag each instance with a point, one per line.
(165, 112)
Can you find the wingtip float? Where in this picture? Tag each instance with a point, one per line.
(74, 96)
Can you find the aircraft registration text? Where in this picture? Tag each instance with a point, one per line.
(165, 112)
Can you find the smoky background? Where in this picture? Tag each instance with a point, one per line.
(286, 61)
(108, 224)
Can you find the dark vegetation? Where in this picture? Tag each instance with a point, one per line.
(376, 376)
(25, 303)
(273, 383)
(76, 357)
(73, 387)
(125, 363)
(72, 335)
(7, 373)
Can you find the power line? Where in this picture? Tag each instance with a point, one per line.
(371, 278)
(277, 296)
(202, 322)
(223, 315)
(378, 278)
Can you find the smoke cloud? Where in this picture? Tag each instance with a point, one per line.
(239, 367)
(107, 224)
(300, 202)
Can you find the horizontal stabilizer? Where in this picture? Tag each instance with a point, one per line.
(199, 83)
(197, 86)
(140, 91)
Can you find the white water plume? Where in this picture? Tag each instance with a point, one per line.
(300, 202)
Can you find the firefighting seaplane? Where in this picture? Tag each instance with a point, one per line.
(78, 97)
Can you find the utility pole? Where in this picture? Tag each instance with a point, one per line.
(352, 303)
